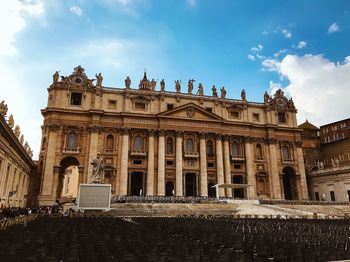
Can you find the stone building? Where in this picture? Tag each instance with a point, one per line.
(170, 142)
(327, 160)
(16, 165)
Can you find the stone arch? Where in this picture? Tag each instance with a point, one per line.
(289, 183)
(68, 165)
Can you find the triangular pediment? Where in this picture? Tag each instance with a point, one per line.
(190, 111)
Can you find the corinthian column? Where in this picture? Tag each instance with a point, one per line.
(275, 177)
(227, 166)
(124, 163)
(161, 163)
(303, 184)
(179, 191)
(203, 166)
(150, 164)
(219, 164)
(250, 168)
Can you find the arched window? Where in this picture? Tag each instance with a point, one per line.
(110, 142)
(189, 145)
(169, 146)
(259, 152)
(285, 153)
(72, 141)
(138, 143)
(210, 148)
(235, 149)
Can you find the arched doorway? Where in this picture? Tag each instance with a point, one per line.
(211, 190)
(190, 184)
(289, 184)
(68, 180)
(136, 184)
(169, 188)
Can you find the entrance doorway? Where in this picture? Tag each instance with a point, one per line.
(169, 188)
(136, 184)
(289, 184)
(68, 180)
(211, 190)
(238, 192)
(190, 184)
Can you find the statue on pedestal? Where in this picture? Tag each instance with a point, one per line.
(190, 86)
(162, 85)
(3, 108)
(215, 93)
(223, 92)
(11, 122)
(127, 82)
(97, 175)
(200, 89)
(243, 95)
(17, 131)
(99, 79)
(55, 77)
(153, 84)
(178, 86)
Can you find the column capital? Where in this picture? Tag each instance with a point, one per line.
(271, 141)
(179, 133)
(202, 135)
(218, 136)
(161, 132)
(125, 130)
(151, 132)
(226, 138)
(248, 139)
(94, 128)
(298, 143)
(54, 126)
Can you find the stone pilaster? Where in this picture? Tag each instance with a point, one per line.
(48, 176)
(274, 175)
(161, 163)
(227, 165)
(150, 164)
(123, 183)
(3, 178)
(249, 157)
(303, 184)
(219, 165)
(179, 159)
(203, 166)
(93, 149)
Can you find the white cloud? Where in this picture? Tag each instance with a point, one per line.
(265, 32)
(319, 87)
(76, 10)
(286, 33)
(333, 28)
(279, 52)
(251, 57)
(301, 44)
(257, 48)
(192, 2)
(271, 65)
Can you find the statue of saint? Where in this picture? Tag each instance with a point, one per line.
(153, 84)
(99, 79)
(223, 92)
(178, 86)
(127, 82)
(97, 175)
(215, 93)
(243, 95)
(162, 85)
(26, 146)
(55, 77)
(266, 97)
(21, 140)
(200, 89)
(17, 131)
(3, 108)
(11, 122)
(190, 86)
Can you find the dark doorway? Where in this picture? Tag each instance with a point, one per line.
(191, 185)
(169, 188)
(289, 184)
(238, 192)
(136, 184)
(211, 190)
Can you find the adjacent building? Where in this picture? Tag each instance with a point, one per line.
(162, 142)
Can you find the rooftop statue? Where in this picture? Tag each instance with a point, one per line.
(11, 122)
(243, 95)
(99, 78)
(215, 93)
(127, 82)
(190, 86)
(162, 85)
(200, 89)
(223, 92)
(55, 77)
(266, 98)
(3, 108)
(153, 84)
(178, 86)
(21, 140)
(17, 131)
(26, 146)
(97, 175)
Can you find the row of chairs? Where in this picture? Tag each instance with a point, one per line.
(301, 202)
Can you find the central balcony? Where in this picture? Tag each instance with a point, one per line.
(191, 155)
(237, 158)
(67, 150)
(139, 153)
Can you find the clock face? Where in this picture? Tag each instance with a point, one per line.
(280, 102)
(78, 80)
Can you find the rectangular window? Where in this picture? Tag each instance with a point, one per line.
(75, 99)
(332, 195)
(137, 162)
(169, 106)
(282, 117)
(209, 109)
(140, 106)
(317, 196)
(234, 114)
(210, 164)
(237, 166)
(112, 104)
(169, 163)
(256, 117)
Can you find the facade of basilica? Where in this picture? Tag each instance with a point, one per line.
(178, 142)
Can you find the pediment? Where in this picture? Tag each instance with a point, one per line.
(190, 111)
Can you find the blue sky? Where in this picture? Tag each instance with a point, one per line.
(300, 46)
